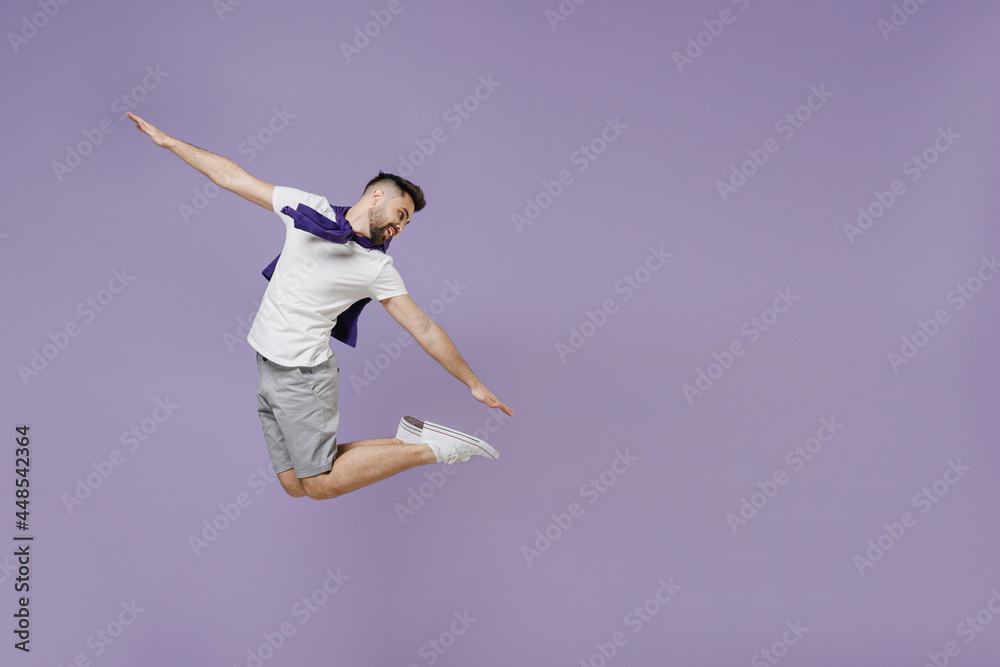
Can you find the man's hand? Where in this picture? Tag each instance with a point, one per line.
(483, 394)
(159, 138)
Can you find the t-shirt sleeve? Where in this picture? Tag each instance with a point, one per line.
(284, 196)
(387, 283)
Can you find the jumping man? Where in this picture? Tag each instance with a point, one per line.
(332, 263)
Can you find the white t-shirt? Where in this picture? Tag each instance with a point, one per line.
(314, 281)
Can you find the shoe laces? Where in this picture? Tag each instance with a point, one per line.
(456, 456)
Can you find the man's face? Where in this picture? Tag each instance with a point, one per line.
(388, 218)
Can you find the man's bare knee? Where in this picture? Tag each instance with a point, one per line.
(314, 491)
(291, 484)
(319, 488)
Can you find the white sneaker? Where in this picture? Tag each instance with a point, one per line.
(409, 429)
(449, 445)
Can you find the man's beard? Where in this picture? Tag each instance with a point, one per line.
(378, 222)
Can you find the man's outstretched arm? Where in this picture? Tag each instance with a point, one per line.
(222, 171)
(436, 343)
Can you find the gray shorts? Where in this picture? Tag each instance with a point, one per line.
(297, 406)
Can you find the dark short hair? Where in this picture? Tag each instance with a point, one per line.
(402, 185)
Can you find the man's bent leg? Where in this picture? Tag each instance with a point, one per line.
(291, 484)
(363, 465)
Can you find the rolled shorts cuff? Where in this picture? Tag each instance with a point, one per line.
(284, 468)
(315, 470)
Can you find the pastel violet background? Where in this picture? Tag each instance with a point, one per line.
(176, 332)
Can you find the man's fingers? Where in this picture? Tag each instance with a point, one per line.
(493, 402)
(140, 124)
